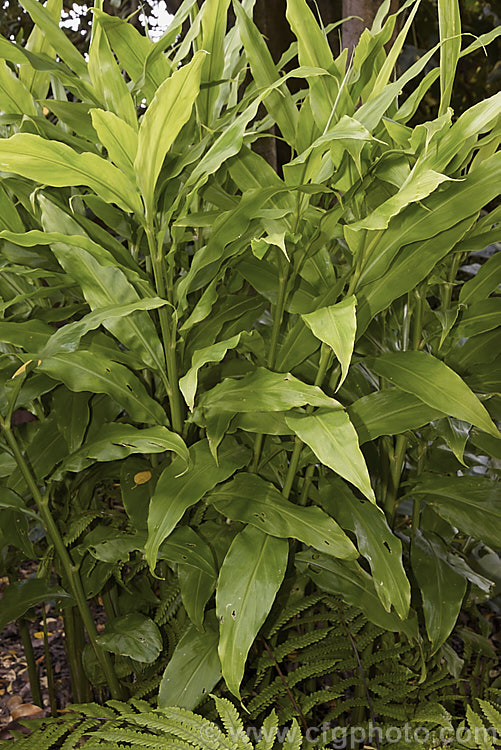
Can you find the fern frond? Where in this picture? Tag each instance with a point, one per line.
(186, 726)
(94, 710)
(482, 739)
(491, 713)
(79, 730)
(132, 737)
(294, 738)
(293, 611)
(143, 688)
(79, 524)
(231, 720)
(269, 732)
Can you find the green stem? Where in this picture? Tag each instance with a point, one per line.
(34, 677)
(308, 477)
(292, 470)
(417, 327)
(48, 666)
(168, 334)
(74, 643)
(397, 459)
(70, 569)
(278, 317)
(360, 267)
(272, 353)
(325, 356)
(449, 285)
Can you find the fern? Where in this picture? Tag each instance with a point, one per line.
(79, 524)
(118, 725)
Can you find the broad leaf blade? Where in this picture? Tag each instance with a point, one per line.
(435, 384)
(56, 164)
(133, 635)
(177, 489)
(336, 326)
(19, 596)
(250, 499)
(193, 669)
(333, 439)
(263, 390)
(472, 504)
(169, 110)
(86, 371)
(250, 577)
(381, 548)
(442, 589)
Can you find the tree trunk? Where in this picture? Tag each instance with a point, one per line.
(366, 11)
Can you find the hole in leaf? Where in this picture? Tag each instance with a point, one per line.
(234, 615)
(385, 544)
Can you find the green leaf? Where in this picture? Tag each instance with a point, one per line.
(449, 23)
(355, 586)
(249, 499)
(196, 589)
(14, 96)
(132, 635)
(480, 317)
(314, 50)
(72, 415)
(435, 384)
(11, 501)
(116, 441)
(249, 579)
(472, 504)
(336, 326)
(67, 338)
(88, 371)
(412, 264)
(168, 112)
(376, 542)
(213, 29)
(455, 433)
(107, 79)
(214, 353)
(105, 286)
(334, 441)
(56, 164)
(185, 547)
(389, 412)
(268, 423)
(439, 212)
(279, 104)
(56, 37)
(119, 139)
(137, 482)
(9, 216)
(20, 596)
(486, 280)
(30, 335)
(46, 448)
(442, 589)
(418, 185)
(193, 669)
(263, 390)
(178, 489)
(133, 49)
